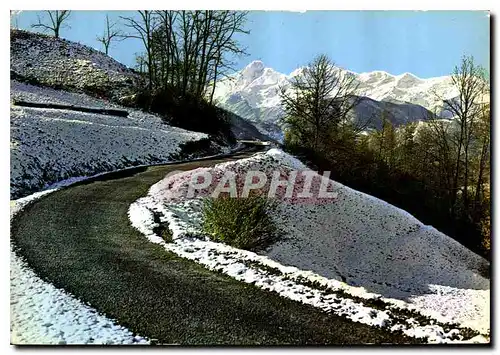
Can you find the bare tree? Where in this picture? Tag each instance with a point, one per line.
(143, 28)
(469, 79)
(227, 24)
(437, 158)
(165, 48)
(385, 140)
(189, 50)
(14, 18)
(110, 33)
(56, 18)
(319, 100)
(195, 47)
(483, 138)
(141, 66)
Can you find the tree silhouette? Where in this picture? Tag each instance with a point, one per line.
(57, 18)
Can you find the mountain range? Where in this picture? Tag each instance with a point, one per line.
(253, 93)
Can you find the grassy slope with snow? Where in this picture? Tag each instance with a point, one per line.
(380, 251)
(56, 61)
(51, 145)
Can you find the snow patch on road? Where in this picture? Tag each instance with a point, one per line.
(339, 257)
(43, 314)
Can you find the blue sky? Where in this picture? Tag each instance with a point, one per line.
(425, 43)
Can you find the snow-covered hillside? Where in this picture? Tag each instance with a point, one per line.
(59, 63)
(358, 246)
(49, 145)
(253, 93)
(407, 88)
(62, 63)
(42, 314)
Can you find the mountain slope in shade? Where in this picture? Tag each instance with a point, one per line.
(253, 93)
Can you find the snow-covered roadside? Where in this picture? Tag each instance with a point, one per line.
(43, 314)
(52, 145)
(280, 268)
(57, 310)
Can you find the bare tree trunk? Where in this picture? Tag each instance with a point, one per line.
(470, 82)
(214, 81)
(57, 18)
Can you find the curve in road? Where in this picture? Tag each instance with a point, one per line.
(80, 239)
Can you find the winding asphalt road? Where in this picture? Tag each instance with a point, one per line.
(80, 239)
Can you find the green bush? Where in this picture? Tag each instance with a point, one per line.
(244, 223)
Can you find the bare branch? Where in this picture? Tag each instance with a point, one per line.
(321, 97)
(57, 19)
(110, 33)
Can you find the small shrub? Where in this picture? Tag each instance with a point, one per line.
(244, 223)
(199, 148)
(167, 235)
(162, 229)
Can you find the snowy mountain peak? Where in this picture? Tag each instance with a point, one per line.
(408, 80)
(257, 64)
(257, 84)
(253, 70)
(375, 76)
(408, 75)
(253, 93)
(297, 72)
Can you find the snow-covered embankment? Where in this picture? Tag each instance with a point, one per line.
(50, 145)
(40, 313)
(355, 256)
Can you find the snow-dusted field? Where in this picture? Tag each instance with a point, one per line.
(58, 61)
(50, 145)
(43, 314)
(354, 245)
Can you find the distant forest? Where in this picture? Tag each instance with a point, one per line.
(436, 169)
